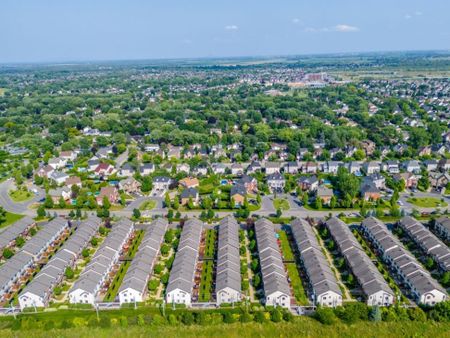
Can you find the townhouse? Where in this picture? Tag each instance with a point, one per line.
(16, 270)
(442, 226)
(375, 289)
(323, 284)
(228, 270)
(86, 289)
(427, 241)
(134, 285)
(424, 289)
(181, 281)
(19, 228)
(38, 292)
(274, 278)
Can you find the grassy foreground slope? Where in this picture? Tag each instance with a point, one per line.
(300, 327)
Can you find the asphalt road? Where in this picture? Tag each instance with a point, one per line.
(20, 207)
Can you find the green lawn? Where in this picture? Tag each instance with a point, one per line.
(10, 218)
(20, 195)
(281, 203)
(300, 327)
(115, 284)
(205, 288)
(148, 205)
(427, 202)
(296, 283)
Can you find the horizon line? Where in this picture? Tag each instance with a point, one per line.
(266, 56)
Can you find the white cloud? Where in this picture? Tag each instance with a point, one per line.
(345, 28)
(338, 28)
(231, 28)
(296, 21)
(409, 16)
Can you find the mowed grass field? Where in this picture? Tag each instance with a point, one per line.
(427, 202)
(281, 203)
(20, 195)
(300, 327)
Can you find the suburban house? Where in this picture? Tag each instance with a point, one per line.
(310, 168)
(58, 177)
(183, 167)
(369, 191)
(127, 170)
(276, 182)
(325, 194)
(104, 170)
(161, 182)
(218, 168)
(250, 183)
(45, 171)
(68, 155)
(412, 166)
(189, 194)
(308, 183)
(146, 169)
(73, 180)
(189, 182)
(371, 167)
(237, 169)
(272, 168)
(130, 185)
(438, 179)
(237, 194)
(56, 194)
(331, 167)
(392, 167)
(111, 193)
(292, 167)
(57, 163)
(409, 178)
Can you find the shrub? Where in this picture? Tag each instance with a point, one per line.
(325, 315)
(187, 318)
(276, 316)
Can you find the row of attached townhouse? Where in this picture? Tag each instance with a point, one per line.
(38, 292)
(374, 287)
(228, 271)
(423, 287)
(19, 228)
(276, 288)
(134, 285)
(442, 226)
(181, 280)
(87, 287)
(322, 281)
(427, 241)
(17, 269)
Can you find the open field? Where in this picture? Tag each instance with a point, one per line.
(300, 327)
(10, 218)
(426, 202)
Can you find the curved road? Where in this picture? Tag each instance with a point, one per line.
(18, 207)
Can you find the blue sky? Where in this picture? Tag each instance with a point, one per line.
(81, 30)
